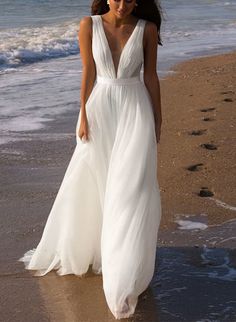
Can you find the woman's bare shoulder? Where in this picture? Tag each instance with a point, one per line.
(150, 31)
(86, 20)
(150, 27)
(86, 24)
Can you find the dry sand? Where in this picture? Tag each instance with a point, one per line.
(199, 84)
(30, 183)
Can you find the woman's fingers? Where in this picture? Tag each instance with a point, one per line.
(83, 136)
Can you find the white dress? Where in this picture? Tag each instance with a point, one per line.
(108, 209)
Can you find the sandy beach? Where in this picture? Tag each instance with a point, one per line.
(201, 96)
(196, 155)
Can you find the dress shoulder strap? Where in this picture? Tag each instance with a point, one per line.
(94, 18)
(95, 22)
(143, 23)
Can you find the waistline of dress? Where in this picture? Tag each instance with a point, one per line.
(118, 81)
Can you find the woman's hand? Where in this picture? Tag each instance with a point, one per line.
(83, 129)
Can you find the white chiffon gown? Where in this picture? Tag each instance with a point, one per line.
(108, 209)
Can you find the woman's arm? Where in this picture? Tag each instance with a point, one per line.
(150, 76)
(88, 64)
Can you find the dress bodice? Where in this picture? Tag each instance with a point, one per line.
(131, 57)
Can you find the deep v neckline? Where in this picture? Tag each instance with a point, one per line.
(123, 49)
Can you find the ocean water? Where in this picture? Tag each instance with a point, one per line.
(40, 66)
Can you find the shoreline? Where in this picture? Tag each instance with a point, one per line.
(33, 171)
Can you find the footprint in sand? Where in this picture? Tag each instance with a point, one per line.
(227, 92)
(209, 146)
(204, 192)
(197, 132)
(206, 119)
(207, 109)
(194, 167)
(228, 99)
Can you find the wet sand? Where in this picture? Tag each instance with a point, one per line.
(193, 265)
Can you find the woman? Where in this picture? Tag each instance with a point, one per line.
(108, 209)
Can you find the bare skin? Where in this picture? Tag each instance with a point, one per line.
(118, 25)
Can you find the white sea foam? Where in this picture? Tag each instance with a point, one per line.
(223, 271)
(223, 204)
(188, 224)
(30, 44)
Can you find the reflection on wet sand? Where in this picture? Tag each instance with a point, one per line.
(71, 298)
(189, 284)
